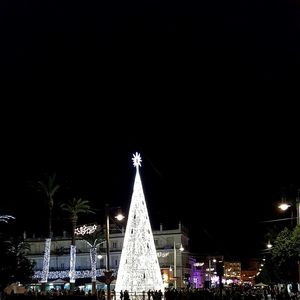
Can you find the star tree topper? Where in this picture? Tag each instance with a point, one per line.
(137, 160)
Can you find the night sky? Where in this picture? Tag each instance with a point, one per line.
(220, 174)
(199, 88)
(125, 42)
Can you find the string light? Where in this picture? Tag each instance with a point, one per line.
(72, 263)
(139, 268)
(85, 229)
(46, 261)
(93, 257)
(5, 218)
(65, 274)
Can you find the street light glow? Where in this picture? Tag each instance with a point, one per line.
(284, 206)
(119, 217)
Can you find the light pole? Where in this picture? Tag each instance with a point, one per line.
(175, 263)
(284, 206)
(210, 269)
(108, 272)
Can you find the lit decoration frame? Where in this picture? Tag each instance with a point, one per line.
(85, 229)
(139, 267)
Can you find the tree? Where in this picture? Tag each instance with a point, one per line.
(94, 240)
(48, 188)
(73, 208)
(139, 267)
(14, 266)
(285, 254)
(269, 273)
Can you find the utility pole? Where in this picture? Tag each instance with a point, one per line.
(175, 267)
(108, 272)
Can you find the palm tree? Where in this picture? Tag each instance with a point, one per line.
(94, 240)
(74, 207)
(48, 188)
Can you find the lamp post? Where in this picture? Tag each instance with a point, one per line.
(284, 206)
(210, 269)
(108, 272)
(175, 263)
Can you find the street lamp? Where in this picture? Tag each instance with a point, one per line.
(210, 269)
(269, 245)
(175, 263)
(108, 272)
(284, 206)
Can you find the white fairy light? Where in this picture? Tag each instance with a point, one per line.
(93, 257)
(5, 218)
(139, 268)
(162, 254)
(83, 230)
(46, 261)
(65, 274)
(72, 263)
(137, 160)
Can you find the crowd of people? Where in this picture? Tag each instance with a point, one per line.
(275, 292)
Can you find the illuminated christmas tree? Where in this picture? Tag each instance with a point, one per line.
(139, 268)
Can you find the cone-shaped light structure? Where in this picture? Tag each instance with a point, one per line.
(139, 268)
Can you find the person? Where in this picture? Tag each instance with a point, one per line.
(121, 295)
(126, 295)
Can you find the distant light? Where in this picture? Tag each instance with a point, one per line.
(269, 245)
(198, 264)
(99, 256)
(181, 248)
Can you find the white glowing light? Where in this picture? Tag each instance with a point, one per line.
(139, 268)
(119, 217)
(284, 206)
(198, 264)
(162, 254)
(93, 257)
(82, 230)
(5, 218)
(65, 274)
(46, 260)
(72, 263)
(137, 160)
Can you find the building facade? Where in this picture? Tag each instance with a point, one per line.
(172, 247)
